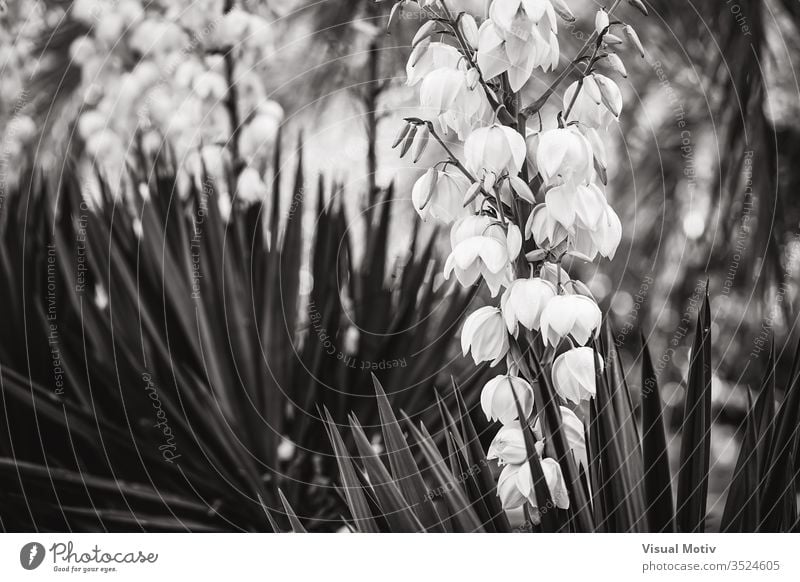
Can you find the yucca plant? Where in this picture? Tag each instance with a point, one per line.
(626, 484)
(162, 370)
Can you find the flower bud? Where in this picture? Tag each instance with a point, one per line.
(508, 446)
(497, 398)
(563, 10)
(610, 93)
(573, 315)
(616, 63)
(484, 334)
(601, 21)
(473, 78)
(469, 30)
(639, 5)
(425, 31)
(524, 301)
(521, 189)
(634, 38)
(574, 374)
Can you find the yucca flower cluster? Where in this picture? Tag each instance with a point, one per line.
(526, 193)
(193, 83)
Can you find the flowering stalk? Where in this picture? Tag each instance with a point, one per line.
(540, 184)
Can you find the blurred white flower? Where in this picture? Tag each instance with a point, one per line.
(90, 122)
(497, 398)
(157, 37)
(564, 155)
(210, 86)
(258, 137)
(573, 374)
(439, 195)
(483, 247)
(523, 302)
(22, 128)
(484, 335)
(104, 145)
(233, 28)
(494, 150)
(82, 50)
(187, 71)
(574, 315)
(250, 187)
(508, 446)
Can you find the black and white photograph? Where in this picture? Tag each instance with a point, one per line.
(390, 267)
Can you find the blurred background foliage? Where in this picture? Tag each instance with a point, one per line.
(703, 175)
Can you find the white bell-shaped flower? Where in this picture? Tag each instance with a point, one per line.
(574, 374)
(564, 156)
(484, 335)
(523, 302)
(257, 138)
(546, 231)
(497, 398)
(430, 56)
(582, 202)
(574, 315)
(519, 36)
(483, 247)
(552, 476)
(508, 446)
(439, 195)
(496, 149)
(445, 95)
(603, 239)
(573, 430)
(507, 489)
(589, 107)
